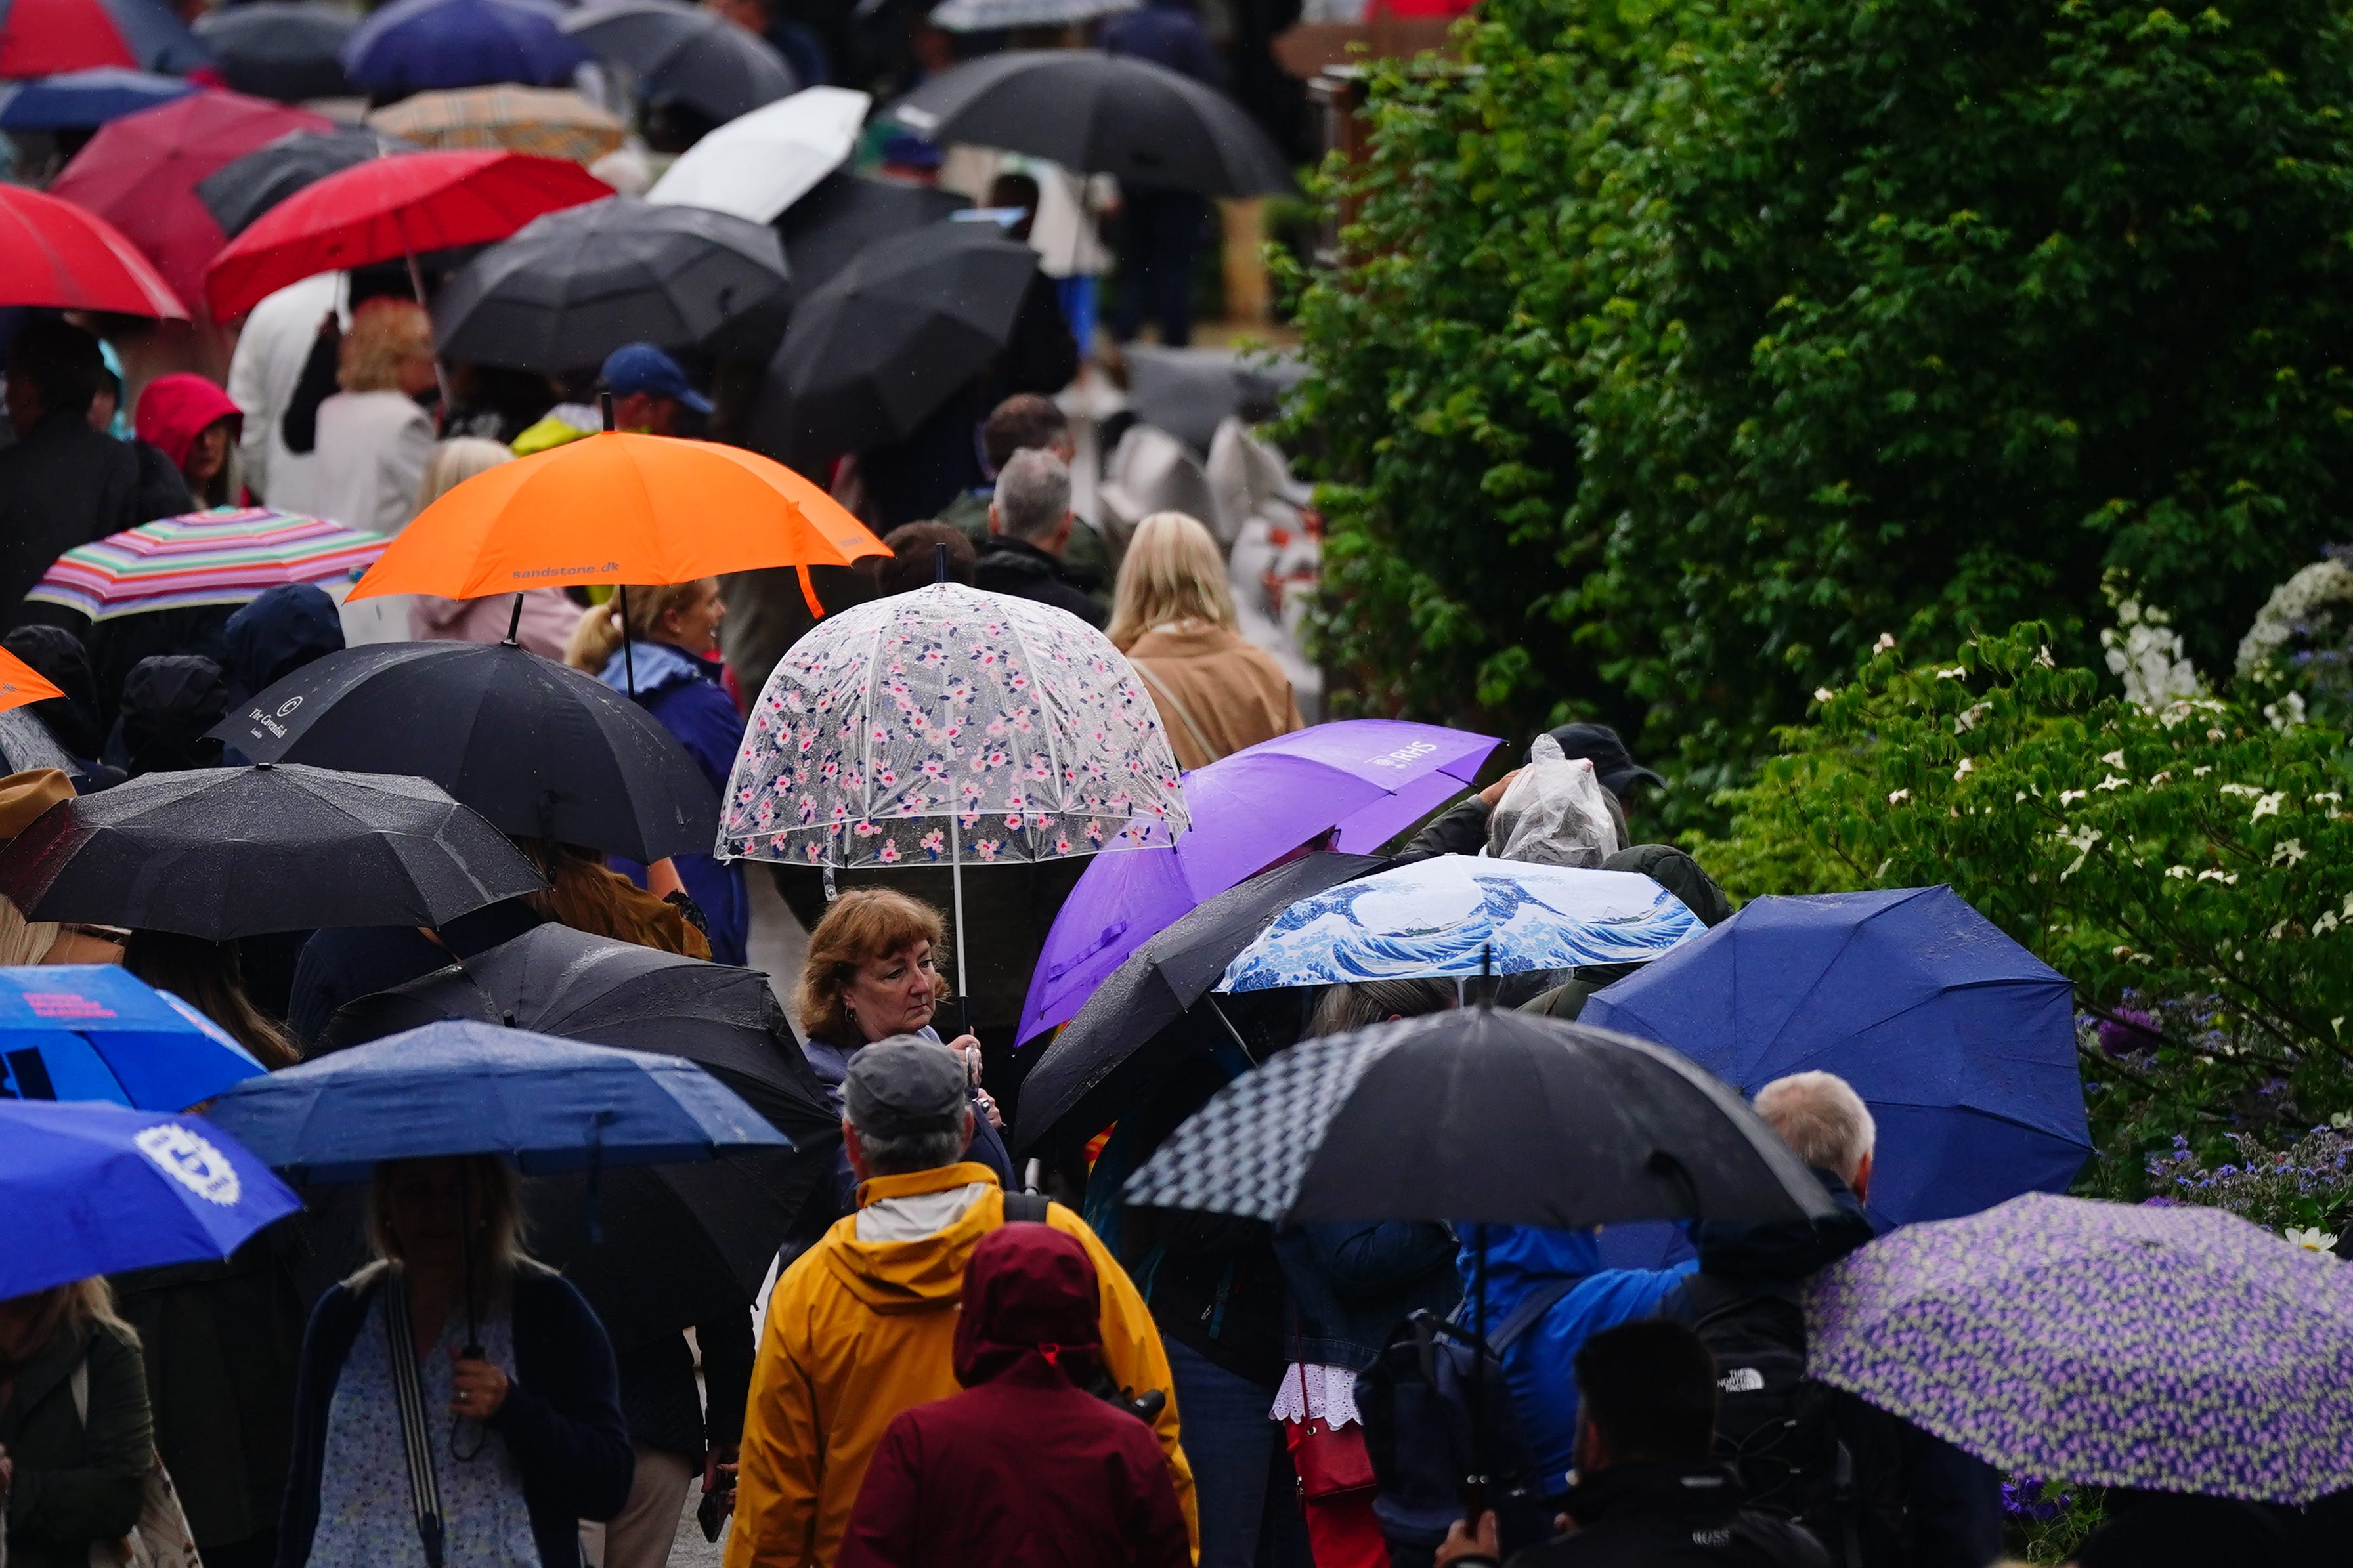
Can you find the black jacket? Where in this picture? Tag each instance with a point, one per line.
(63, 484)
(1671, 1516)
(1016, 567)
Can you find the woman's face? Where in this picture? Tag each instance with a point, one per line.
(425, 1202)
(694, 624)
(207, 455)
(895, 993)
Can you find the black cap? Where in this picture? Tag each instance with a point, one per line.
(1600, 744)
(904, 1087)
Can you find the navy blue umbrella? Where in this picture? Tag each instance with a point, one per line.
(96, 1189)
(75, 100)
(420, 46)
(1961, 1041)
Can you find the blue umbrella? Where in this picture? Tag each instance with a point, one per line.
(454, 1087)
(1961, 1041)
(1460, 915)
(97, 1032)
(418, 46)
(73, 100)
(95, 1189)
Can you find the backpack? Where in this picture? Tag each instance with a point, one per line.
(1416, 1403)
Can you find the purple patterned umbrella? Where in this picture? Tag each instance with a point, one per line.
(2174, 1349)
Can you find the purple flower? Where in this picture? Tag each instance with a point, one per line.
(2129, 1032)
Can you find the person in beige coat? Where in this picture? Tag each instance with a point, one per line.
(1172, 615)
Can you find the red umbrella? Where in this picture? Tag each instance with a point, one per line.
(53, 253)
(45, 37)
(392, 207)
(140, 174)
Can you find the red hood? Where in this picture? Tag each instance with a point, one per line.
(175, 409)
(1029, 1293)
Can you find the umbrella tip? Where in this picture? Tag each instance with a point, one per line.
(605, 401)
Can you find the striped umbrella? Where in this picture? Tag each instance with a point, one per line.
(222, 557)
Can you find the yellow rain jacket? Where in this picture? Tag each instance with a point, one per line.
(858, 1332)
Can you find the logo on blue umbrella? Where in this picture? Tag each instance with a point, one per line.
(190, 1159)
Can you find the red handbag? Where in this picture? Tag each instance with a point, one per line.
(1328, 1461)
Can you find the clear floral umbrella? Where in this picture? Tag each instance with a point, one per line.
(950, 724)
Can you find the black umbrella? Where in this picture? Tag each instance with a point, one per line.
(220, 853)
(537, 747)
(872, 353)
(244, 188)
(842, 215)
(280, 50)
(572, 285)
(1105, 114)
(686, 55)
(1127, 1029)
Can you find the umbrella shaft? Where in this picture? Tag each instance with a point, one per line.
(955, 880)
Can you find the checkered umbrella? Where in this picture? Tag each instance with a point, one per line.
(548, 122)
(224, 557)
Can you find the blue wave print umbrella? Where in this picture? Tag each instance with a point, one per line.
(1449, 915)
(93, 1031)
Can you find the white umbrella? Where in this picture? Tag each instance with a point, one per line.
(984, 16)
(759, 163)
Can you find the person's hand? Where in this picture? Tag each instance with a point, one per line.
(479, 1389)
(723, 1479)
(1493, 793)
(1461, 1545)
(968, 1050)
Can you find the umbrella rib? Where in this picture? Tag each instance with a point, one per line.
(1061, 798)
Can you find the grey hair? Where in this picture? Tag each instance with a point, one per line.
(1033, 494)
(905, 1155)
(1822, 1119)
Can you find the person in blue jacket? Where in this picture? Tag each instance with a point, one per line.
(671, 667)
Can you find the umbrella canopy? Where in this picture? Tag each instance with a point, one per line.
(225, 557)
(992, 15)
(1368, 779)
(2180, 1350)
(572, 287)
(844, 215)
(97, 1031)
(391, 207)
(45, 37)
(56, 254)
(453, 1088)
(140, 174)
(1093, 1070)
(222, 853)
(79, 99)
(284, 49)
(99, 1189)
(240, 191)
(1463, 915)
(597, 769)
(686, 55)
(1961, 1041)
(417, 45)
(617, 508)
(760, 163)
(546, 121)
(1103, 114)
(884, 342)
(1532, 1122)
(20, 684)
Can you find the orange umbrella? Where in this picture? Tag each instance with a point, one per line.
(20, 684)
(619, 507)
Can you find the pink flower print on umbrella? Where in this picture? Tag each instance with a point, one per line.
(935, 843)
(1094, 831)
(889, 853)
(864, 829)
(987, 849)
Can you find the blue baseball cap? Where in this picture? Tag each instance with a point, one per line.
(641, 367)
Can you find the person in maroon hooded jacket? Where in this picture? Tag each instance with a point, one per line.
(1024, 1469)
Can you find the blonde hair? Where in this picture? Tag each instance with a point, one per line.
(1822, 1119)
(453, 462)
(385, 333)
(862, 924)
(496, 1203)
(1174, 572)
(22, 940)
(597, 638)
(78, 1302)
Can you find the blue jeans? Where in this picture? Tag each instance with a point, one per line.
(1230, 1442)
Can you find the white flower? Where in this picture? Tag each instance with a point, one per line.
(2083, 843)
(1895, 796)
(1966, 767)
(2238, 789)
(2068, 796)
(2288, 853)
(2201, 772)
(2267, 807)
(2156, 779)
(2312, 595)
(2341, 1121)
(2177, 872)
(2286, 714)
(2042, 656)
(1967, 718)
(2114, 781)
(1957, 672)
(2313, 1240)
(2327, 922)
(2326, 797)
(1823, 694)
(2114, 759)
(1887, 641)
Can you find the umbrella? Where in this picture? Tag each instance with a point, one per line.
(546, 121)
(47, 38)
(140, 174)
(572, 285)
(1093, 1070)
(224, 557)
(1462, 915)
(26, 743)
(453, 1088)
(1369, 779)
(1104, 114)
(20, 684)
(884, 342)
(99, 1189)
(281, 48)
(416, 45)
(2180, 1350)
(760, 163)
(537, 747)
(391, 207)
(240, 191)
(79, 99)
(1190, 392)
(844, 215)
(221, 853)
(995, 16)
(56, 254)
(945, 722)
(99, 1032)
(1961, 1041)
(687, 55)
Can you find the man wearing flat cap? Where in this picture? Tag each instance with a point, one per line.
(863, 1325)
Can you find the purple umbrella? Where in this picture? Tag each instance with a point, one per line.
(2174, 1349)
(1368, 778)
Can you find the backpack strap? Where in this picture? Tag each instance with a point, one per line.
(1025, 1208)
(1530, 1312)
(1161, 693)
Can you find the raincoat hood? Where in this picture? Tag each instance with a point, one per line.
(660, 667)
(1029, 1299)
(168, 703)
(919, 1276)
(176, 409)
(1743, 1249)
(278, 634)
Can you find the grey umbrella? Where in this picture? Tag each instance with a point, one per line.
(843, 214)
(242, 189)
(280, 49)
(572, 285)
(686, 54)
